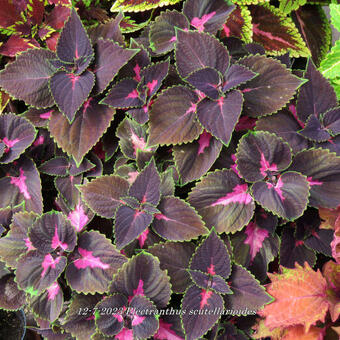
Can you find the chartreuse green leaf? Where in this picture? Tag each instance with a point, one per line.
(330, 66)
(286, 6)
(139, 6)
(335, 15)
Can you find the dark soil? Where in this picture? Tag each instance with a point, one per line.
(12, 325)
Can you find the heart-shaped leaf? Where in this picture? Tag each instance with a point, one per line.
(94, 262)
(223, 201)
(259, 154)
(70, 91)
(237, 75)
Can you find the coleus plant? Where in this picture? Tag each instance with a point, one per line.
(184, 167)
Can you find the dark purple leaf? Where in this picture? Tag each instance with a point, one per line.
(110, 58)
(129, 224)
(80, 321)
(320, 241)
(66, 186)
(111, 323)
(331, 121)
(167, 187)
(29, 83)
(172, 117)
(11, 298)
(93, 264)
(248, 294)
(74, 46)
(286, 196)
(322, 169)
(293, 250)
(17, 134)
(70, 91)
(237, 75)
(146, 187)
(194, 159)
(223, 201)
(316, 96)
(203, 309)
(220, 117)
(77, 138)
(36, 271)
(38, 117)
(22, 184)
(48, 305)
(207, 80)
(208, 281)
(57, 166)
(162, 31)
(275, 85)
(284, 125)
(84, 166)
(124, 95)
(332, 145)
(175, 257)
(261, 154)
(52, 231)
(314, 131)
(16, 241)
(177, 220)
(207, 16)
(143, 325)
(141, 275)
(212, 257)
(196, 50)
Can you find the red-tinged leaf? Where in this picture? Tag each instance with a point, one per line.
(239, 24)
(162, 31)
(175, 257)
(36, 11)
(83, 133)
(260, 154)
(220, 117)
(109, 30)
(124, 95)
(206, 307)
(93, 264)
(276, 32)
(79, 217)
(16, 241)
(57, 17)
(299, 332)
(51, 42)
(70, 91)
(79, 321)
(255, 238)
(141, 275)
(286, 197)
(74, 46)
(129, 224)
(51, 232)
(194, 159)
(274, 83)
(330, 271)
(211, 282)
(48, 305)
(316, 96)
(177, 221)
(211, 257)
(300, 298)
(36, 271)
(146, 187)
(11, 298)
(17, 134)
(103, 194)
(22, 184)
(315, 29)
(223, 201)
(322, 169)
(284, 125)
(16, 44)
(248, 294)
(172, 117)
(206, 80)
(196, 50)
(167, 330)
(132, 138)
(28, 76)
(207, 16)
(110, 58)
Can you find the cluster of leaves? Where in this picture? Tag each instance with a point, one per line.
(152, 183)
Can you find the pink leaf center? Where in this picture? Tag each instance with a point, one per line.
(211, 269)
(28, 244)
(138, 291)
(199, 23)
(49, 262)
(137, 70)
(277, 188)
(133, 94)
(205, 296)
(255, 238)
(142, 237)
(312, 182)
(21, 184)
(46, 115)
(238, 195)
(88, 260)
(56, 241)
(165, 332)
(53, 291)
(265, 166)
(204, 142)
(78, 218)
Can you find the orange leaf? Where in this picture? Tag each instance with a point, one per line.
(330, 217)
(298, 332)
(300, 298)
